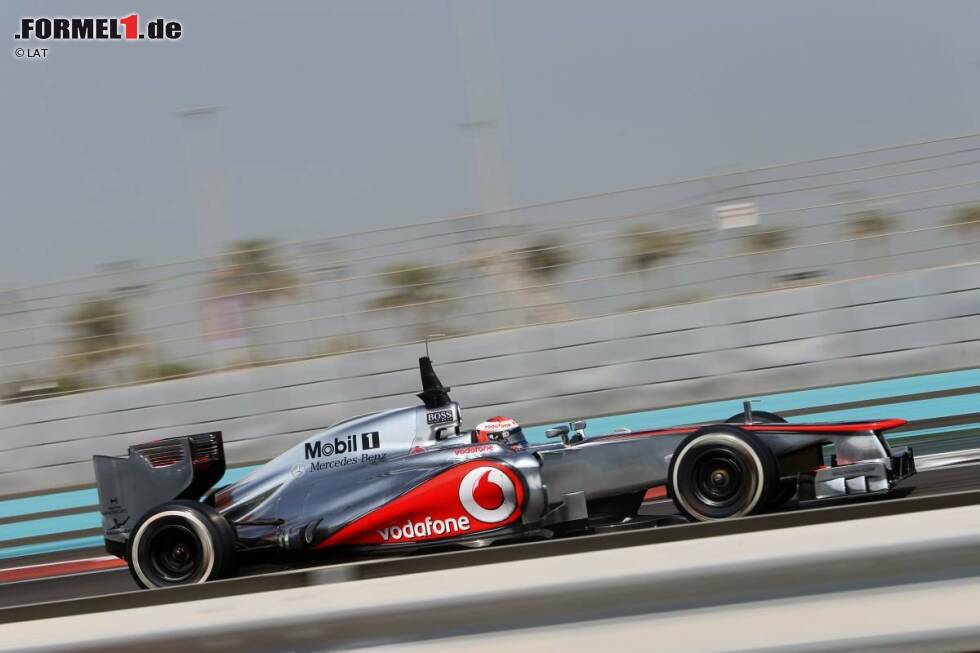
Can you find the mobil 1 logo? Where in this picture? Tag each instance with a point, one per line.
(342, 445)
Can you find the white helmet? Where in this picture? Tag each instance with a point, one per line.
(503, 430)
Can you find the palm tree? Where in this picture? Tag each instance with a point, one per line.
(869, 222)
(765, 240)
(99, 329)
(648, 248)
(250, 271)
(870, 228)
(966, 222)
(411, 286)
(539, 264)
(544, 258)
(251, 267)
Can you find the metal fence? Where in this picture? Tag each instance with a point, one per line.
(893, 209)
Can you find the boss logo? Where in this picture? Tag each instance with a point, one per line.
(439, 417)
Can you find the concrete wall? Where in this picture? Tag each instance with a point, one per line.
(753, 344)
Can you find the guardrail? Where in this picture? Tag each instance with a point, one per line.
(912, 553)
(757, 344)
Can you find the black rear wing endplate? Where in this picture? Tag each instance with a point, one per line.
(153, 473)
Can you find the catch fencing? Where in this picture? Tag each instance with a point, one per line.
(884, 211)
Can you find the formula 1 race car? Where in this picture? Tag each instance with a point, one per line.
(411, 478)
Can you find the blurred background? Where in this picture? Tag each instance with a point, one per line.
(600, 210)
(319, 178)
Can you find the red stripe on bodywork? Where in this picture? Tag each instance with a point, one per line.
(847, 427)
(851, 427)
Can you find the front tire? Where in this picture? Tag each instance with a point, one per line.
(722, 472)
(181, 543)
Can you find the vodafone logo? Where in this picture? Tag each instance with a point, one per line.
(424, 528)
(463, 500)
(488, 494)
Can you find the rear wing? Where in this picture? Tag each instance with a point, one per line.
(153, 473)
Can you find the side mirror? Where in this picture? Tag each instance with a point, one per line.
(558, 432)
(579, 425)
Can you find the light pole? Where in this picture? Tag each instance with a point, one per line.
(206, 176)
(209, 196)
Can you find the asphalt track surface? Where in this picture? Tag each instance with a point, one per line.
(928, 483)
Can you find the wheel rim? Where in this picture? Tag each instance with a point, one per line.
(718, 477)
(174, 553)
(173, 547)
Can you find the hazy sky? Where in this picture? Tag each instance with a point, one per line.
(338, 116)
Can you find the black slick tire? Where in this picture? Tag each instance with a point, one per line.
(720, 472)
(181, 543)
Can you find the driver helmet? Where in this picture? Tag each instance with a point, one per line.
(503, 430)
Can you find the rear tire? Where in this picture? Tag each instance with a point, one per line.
(181, 543)
(721, 472)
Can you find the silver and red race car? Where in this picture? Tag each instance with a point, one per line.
(411, 478)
